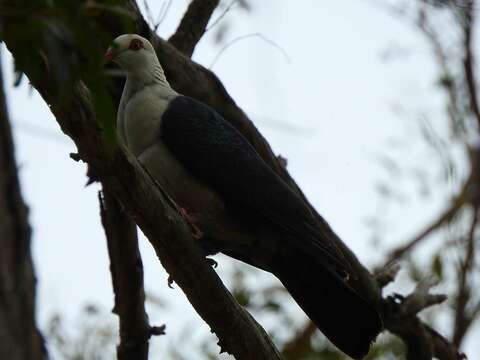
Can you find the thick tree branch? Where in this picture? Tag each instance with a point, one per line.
(121, 173)
(193, 25)
(19, 337)
(127, 278)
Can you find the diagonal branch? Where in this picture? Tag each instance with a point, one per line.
(193, 25)
(443, 218)
(127, 279)
(145, 202)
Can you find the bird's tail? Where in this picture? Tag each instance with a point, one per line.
(342, 315)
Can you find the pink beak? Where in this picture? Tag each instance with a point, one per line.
(109, 55)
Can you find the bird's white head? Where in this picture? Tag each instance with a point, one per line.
(132, 53)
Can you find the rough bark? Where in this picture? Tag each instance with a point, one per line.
(19, 337)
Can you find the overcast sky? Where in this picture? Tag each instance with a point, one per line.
(326, 105)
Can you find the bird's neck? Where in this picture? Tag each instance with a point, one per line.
(147, 76)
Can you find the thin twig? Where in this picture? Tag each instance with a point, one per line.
(443, 218)
(222, 15)
(243, 37)
(162, 15)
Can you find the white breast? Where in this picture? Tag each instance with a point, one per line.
(138, 125)
(142, 116)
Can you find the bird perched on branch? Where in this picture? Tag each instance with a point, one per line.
(233, 201)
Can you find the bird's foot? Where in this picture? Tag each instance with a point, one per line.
(196, 232)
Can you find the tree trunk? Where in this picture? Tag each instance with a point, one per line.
(19, 337)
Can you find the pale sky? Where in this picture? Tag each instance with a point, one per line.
(328, 110)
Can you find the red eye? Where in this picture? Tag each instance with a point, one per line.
(136, 44)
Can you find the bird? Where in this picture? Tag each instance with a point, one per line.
(233, 201)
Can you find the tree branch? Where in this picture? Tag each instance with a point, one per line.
(127, 279)
(422, 342)
(193, 25)
(463, 319)
(145, 202)
(443, 218)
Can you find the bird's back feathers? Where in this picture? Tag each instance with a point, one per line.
(308, 263)
(212, 150)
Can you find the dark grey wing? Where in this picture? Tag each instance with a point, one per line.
(215, 152)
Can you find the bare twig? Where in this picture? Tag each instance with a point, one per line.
(155, 23)
(221, 16)
(193, 25)
(443, 218)
(162, 15)
(243, 37)
(127, 279)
